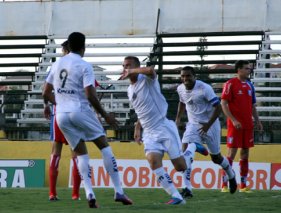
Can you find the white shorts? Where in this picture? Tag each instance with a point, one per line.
(163, 138)
(78, 126)
(212, 138)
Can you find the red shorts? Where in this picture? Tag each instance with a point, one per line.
(57, 134)
(243, 138)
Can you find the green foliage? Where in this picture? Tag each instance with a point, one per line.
(145, 200)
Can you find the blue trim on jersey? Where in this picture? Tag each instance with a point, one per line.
(215, 101)
(253, 92)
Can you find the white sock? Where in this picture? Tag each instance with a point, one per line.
(189, 154)
(85, 173)
(166, 182)
(112, 169)
(227, 168)
(186, 178)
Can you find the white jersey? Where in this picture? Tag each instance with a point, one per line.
(199, 101)
(148, 101)
(69, 76)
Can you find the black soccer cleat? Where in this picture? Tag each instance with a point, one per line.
(186, 193)
(92, 202)
(123, 199)
(232, 185)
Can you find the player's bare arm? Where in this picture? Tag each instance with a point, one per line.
(181, 110)
(48, 96)
(148, 71)
(137, 132)
(256, 117)
(91, 95)
(226, 111)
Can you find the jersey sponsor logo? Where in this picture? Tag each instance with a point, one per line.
(65, 91)
(240, 92)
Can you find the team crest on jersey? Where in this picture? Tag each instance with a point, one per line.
(250, 92)
(229, 140)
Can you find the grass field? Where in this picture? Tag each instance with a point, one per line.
(145, 200)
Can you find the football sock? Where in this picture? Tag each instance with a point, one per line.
(53, 174)
(189, 154)
(186, 178)
(166, 182)
(244, 168)
(110, 165)
(85, 172)
(224, 178)
(76, 178)
(227, 168)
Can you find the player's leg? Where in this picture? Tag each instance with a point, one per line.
(154, 158)
(85, 172)
(76, 178)
(74, 137)
(110, 165)
(54, 170)
(244, 169)
(233, 141)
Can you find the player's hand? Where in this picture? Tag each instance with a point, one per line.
(204, 129)
(125, 74)
(137, 134)
(237, 124)
(259, 126)
(47, 112)
(111, 120)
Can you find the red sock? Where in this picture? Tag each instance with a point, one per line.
(244, 168)
(224, 177)
(76, 179)
(53, 174)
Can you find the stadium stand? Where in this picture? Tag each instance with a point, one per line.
(106, 54)
(212, 54)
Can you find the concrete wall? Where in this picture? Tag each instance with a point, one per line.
(138, 17)
(41, 150)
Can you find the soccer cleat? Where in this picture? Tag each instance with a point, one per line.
(92, 202)
(186, 193)
(201, 149)
(53, 198)
(232, 185)
(224, 189)
(175, 201)
(245, 190)
(122, 198)
(75, 197)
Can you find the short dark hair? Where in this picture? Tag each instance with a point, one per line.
(240, 63)
(189, 68)
(65, 46)
(76, 41)
(134, 58)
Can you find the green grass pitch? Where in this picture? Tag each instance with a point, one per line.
(145, 200)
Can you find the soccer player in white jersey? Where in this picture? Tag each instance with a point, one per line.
(72, 80)
(160, 135)
(203, 108)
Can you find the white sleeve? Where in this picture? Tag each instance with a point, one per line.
(88, 76)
